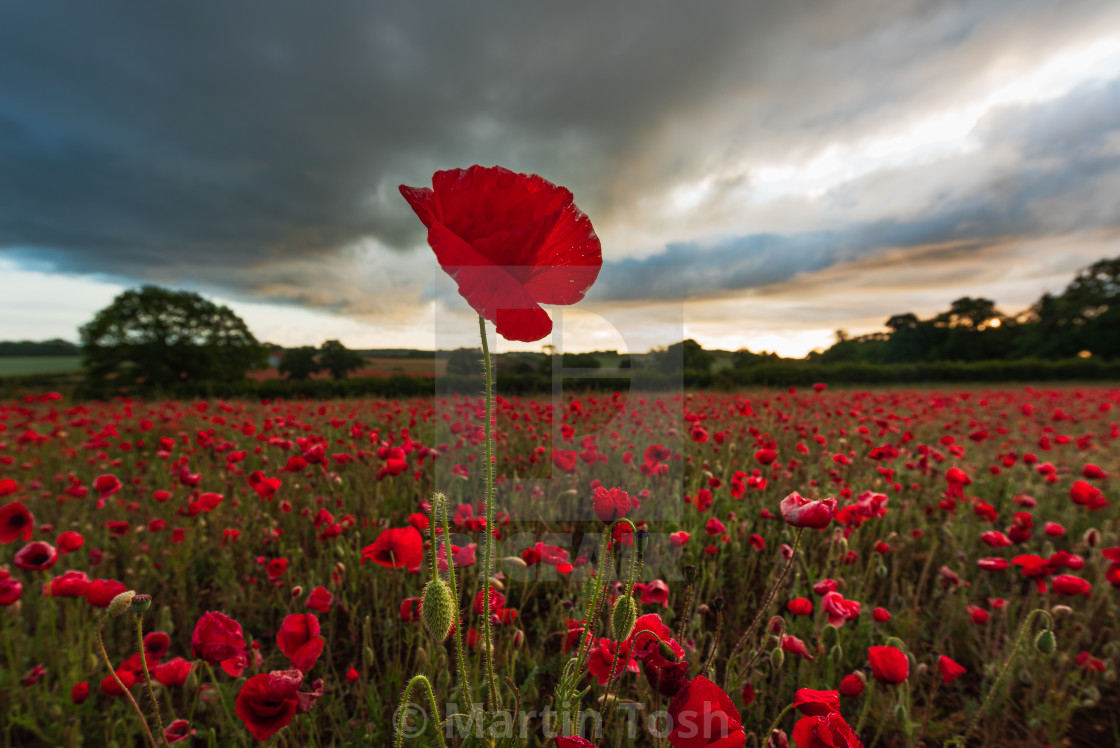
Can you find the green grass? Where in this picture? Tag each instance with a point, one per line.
(21, 366)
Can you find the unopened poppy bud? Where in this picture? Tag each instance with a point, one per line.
(1061, 611)
(367, 655)
(297, 591)
(1092, 693)
(777, 625)
(667, 652)
(422, 655)
(900, 714)
(437, 609)
(121, 603)
(1092, 537)
(922, 670)
(830, 634)
(1110, 650)
(518, 638)
(881, 571)
(836, 654)
(778, 739)
(623, 617)
(641, 541)
(719, 603)
(690, 573)
(703, 609)
(1044, 642)
(141, 603)
(777, 657)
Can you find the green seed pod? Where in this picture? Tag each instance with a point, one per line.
(1045, 642)
(141, 603)
(777, 657)
(437, 609)
(641, 541)
(623, 617)
(121, 603)
(667, 652)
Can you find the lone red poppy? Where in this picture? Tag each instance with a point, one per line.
(511, 242)
(396, 547)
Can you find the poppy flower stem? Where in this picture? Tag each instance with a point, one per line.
(749, 633)
(120, 685)
(403, 712)
(460, 658)
(963, 740)
(147, 675)
(778, 721)
(492, 681)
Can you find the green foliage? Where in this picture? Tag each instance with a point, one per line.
(162, 337)
(299, 363)
(56, 347)
(465, 362)
(581, 361)
(338, 359)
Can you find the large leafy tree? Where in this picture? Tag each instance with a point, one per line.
(300, 363)
(162, 336)
(339, 360)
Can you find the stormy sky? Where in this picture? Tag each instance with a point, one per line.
(760, 174)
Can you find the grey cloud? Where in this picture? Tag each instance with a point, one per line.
(247, 147)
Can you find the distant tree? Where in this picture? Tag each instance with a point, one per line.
(582, 361)
(339, 360)
(300, 363)
(163, 336)
(900, 322)
(968, 312)
(687, 354)
(55, 347)
(466, 362)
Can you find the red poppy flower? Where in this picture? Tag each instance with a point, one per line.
(565, 459)
(851, 685)
(16, 523)
(10, 591)
(218, 640)
(801, 512)
(511, 242)
(100, 592)
(173, 673)
(267, 702)
(320, 599)
(178, 731)
(299, 640)
(68, 542)
(80, 692)
(800, 606)
(825, 731)
(107, 485)
(888, 664)
(1067, 584)
(816, 703)
(8, 486)
(572, 741)
(611, 504)
(396, 547)
(838, 609)
(36, 556)
(950, 670)
(703, 716)
(156, 644)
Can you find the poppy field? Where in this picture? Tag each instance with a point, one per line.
(904, 567)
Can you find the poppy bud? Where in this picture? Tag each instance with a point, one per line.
(437, 609)
(1044, 642)
(719, 603)
(830, 634)
(690, 573)
(641, 542)
(777, 624)
(900, 714)
(1061, 611)
(777, 657)
(518, 638)
(667, 652)
(1092, 537)
(881, 571)
(121, 603)
(836, 654)
(623, 617)
(367, 655)
(141, 603)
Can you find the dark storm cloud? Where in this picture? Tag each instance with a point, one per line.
(246, 146)
(1065, 177)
